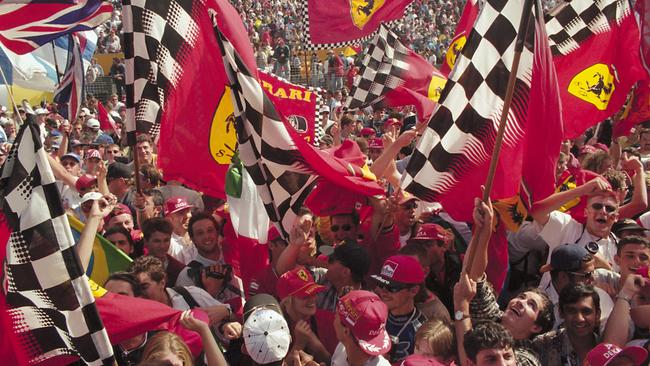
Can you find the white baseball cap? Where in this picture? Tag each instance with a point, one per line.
(91, 196)
(266, 336)
(41, 111)
(92, 123)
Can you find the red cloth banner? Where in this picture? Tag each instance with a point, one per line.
(463, 28)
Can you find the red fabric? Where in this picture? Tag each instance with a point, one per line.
(125, 317)
(617, 49)
(642, 8)
(264, 282)
(326, 333)
(386, 245)
(544, 125)
(497, 268)
(189, 127)
(334, 21)
(106, 122)
(463, 28)
(639, 111)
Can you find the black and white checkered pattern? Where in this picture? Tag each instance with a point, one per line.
(576, 21)
(461, 133)
(384, 67)
(157, 36)
(52, 308)
(309, 45)
(279, 170)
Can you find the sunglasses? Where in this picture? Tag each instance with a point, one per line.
(393, 287)
(599, 206)
(586, 276)
(114, 151)
(336, 228)
(410, 206)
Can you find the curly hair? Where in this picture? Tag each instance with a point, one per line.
(484, 336)
(149, 265)
(594, 162)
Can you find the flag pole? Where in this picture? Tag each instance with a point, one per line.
(56, 63)
(527, 14)
(304, 53)
(11, 94)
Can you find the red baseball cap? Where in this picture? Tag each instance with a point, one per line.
(406, 197)
(430, 231)
(420, 360)
(392, 121)
(119, 209)
(605, 353)
(298, 282)
(367, 131)
(365, 315)
(92, 153)
(376, 143)
(175, 204)
(402, 269)
(84, 182)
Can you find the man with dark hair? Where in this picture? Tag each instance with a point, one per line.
(570, 265)
(633, 252)
(580, 309)
(487, 344)
(208, 270)
(157, 239)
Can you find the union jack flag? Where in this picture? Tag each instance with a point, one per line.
(69, 93)
(27, 26)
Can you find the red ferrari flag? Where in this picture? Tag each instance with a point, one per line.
(463, 28)
(337, 23)
(595, 47)
(639, 110)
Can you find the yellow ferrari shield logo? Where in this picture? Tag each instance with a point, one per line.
(303, 275)
(435, 87)
(594, 85)
(454, 50)
(223, 137)
(363, 10)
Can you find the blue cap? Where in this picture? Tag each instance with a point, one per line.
(72, 155)
(104, 139)
(566, 258)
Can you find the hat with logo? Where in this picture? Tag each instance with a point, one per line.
(266, 336)
(430, 231)
(353, 256)
(298, 282)
(566, 258)
(376, 143)
(175, 204)
(406, 197)
(604, 353)
(92, 153)
(84, 182)
(401, 269)
(365, 315)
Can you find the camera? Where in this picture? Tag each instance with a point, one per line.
(194, 272)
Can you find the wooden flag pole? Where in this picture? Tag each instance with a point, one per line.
(11, 95)
(527, 14)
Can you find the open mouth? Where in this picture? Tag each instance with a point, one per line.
(601, 221)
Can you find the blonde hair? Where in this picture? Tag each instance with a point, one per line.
(440, 337)
(163, 343)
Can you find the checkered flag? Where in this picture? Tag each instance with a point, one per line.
(266, 147)
(384, 68)
(576, 21)
(51, 306)
(452, 158)
(158, 35)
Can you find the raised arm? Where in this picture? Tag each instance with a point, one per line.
(483, 223)
(98, 211)
(639, 200)
(542, 209)
(618, 323)
(380, 166)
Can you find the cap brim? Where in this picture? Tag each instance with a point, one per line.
(376, 346)
(381, 279)
(179, 209)
(309, 289)
(636, 353)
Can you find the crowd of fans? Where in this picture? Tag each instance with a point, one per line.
(373, 281)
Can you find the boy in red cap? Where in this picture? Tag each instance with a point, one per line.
(360, 326)
(400, 281)
(606, 354)
(297, 292)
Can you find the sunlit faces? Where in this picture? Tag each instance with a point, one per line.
(601, 213)
(521, 314)
(631, 257)
(205, 236)
(122, 242)
(581, 318)
(496, 357)
(343, 227)
(151, 289)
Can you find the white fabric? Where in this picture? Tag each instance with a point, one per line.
(340, 358)
(249, 218)
(561, 228)
(177, 247)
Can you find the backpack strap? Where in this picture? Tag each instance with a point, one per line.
(186, 296)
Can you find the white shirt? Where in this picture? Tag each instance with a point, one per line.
(561, 228)
(177, 247)
(201, 297)
(340, 358)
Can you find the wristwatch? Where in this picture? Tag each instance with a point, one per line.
(459, 315)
